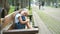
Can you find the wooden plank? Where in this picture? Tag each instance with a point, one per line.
(22, 31)
(8, 19)
(0, 21)
(35, 23)
(0, 24)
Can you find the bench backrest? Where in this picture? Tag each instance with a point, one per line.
(8, 19)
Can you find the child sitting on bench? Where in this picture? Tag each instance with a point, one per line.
(21, 21)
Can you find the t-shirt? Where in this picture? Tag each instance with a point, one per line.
(16, 18)
(18, 25)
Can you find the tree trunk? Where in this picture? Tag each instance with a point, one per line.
(29, 4)
(6, 5)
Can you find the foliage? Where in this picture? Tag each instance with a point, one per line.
(11, 9)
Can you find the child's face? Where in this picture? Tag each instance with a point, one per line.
(24, 13)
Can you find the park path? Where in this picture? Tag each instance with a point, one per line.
(38, 22)
(53, 12)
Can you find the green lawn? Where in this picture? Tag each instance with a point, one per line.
(30, 11)
(52, 24)
(11, 9)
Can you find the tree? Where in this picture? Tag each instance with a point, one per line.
(1, 3)
(29, 4)
(4, 7)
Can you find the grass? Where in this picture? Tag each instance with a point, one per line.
(30, 11)
(52, 24)
(11, 9)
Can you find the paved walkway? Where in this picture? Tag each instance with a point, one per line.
(42, 27)
(53, 12)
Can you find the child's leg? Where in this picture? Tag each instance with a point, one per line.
(28, 25)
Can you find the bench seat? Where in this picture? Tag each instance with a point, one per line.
(21, 31)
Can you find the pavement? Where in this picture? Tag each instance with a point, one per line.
(38, 22)
(53, 12)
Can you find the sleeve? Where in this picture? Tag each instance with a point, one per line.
(18, 15)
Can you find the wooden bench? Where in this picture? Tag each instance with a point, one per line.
(0, 24)
(8, 25)
(21, 31)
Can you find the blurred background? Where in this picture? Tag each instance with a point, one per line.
(48, 12)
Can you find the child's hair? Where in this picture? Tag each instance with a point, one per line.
(24, 9)
(20, 10)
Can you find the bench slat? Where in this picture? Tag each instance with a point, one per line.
(8, 19)
(22, 31)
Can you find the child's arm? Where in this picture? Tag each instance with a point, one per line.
(21, 21)
(28, 25)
